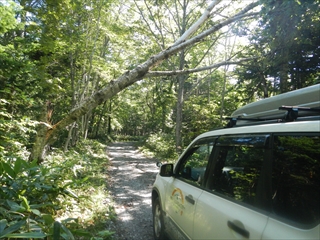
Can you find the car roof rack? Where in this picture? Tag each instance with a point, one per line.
(301, 104)
(291, 114)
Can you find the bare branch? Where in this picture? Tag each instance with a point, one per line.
(148, 25)
(188, 71)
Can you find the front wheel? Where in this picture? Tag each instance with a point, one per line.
(158, 225)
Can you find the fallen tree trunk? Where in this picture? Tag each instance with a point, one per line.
(124, 81)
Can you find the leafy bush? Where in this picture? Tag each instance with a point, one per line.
(61, 199)
(29, 196)
(127, 138)
(162, 145)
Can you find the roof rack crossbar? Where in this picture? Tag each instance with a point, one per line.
(293, 112)
(306, 109)
(233, 120)
(246, 119)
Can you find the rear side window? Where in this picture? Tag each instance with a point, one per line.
(238, 164)
(295, 179)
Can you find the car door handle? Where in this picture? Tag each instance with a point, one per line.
(190, 199)
(239, 229)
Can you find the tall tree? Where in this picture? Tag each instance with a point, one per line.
(288, 44)
(132, 76)
(55, 53)
(170, 20)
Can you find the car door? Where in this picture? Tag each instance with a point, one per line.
(233, 204)
(186, 187)
(295, 208)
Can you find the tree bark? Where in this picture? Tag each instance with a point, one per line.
(181, 78)
(180, 101)
(39, 146)
(70, 134)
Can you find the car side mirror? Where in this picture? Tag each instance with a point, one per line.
(166, 170)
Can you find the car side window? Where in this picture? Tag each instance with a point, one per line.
(193, 166)
(237, 169)
(296, 178)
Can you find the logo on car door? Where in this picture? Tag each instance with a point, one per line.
(178, 200)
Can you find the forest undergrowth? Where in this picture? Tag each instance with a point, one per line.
(66, 197)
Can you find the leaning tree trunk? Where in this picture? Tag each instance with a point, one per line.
(122, 82)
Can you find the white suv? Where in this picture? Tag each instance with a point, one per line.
(258, 178)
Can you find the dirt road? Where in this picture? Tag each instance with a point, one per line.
(131, 176)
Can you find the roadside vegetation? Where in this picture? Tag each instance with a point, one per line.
(64, 198)
(160, 146)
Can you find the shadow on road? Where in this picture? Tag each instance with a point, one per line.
(131, 176)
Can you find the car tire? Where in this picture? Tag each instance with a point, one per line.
(158, 224)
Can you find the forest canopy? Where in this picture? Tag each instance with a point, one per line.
(63, 63)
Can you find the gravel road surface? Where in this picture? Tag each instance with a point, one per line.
(131, 176)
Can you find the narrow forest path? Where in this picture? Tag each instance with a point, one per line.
(131, 176)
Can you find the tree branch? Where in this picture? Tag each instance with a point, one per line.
(130, 77)
(198, 23)
(188, 71)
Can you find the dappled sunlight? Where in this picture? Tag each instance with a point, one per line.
(131, 179)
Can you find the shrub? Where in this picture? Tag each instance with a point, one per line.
(162, 145)
(59, 199)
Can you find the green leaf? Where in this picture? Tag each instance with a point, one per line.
(68, 234)
(15, 206)
(105, 233)
(7, 169)
(3, 224)
(56, 230)
(48, 219)
(25, 203)
(81, 233)
(13, 228)
(27, 235)
(34, 206)
(36, 212)
(17, 165)
(33, 164)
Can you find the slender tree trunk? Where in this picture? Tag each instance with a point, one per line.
(109, 117)
(75, 135)
(181, 83)
(223, 93)
(85, 124)
(284, 69)
(179, 119)
(95, 132)
(283, 79)
(39, 147)
(264, 85)
(66, 145)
